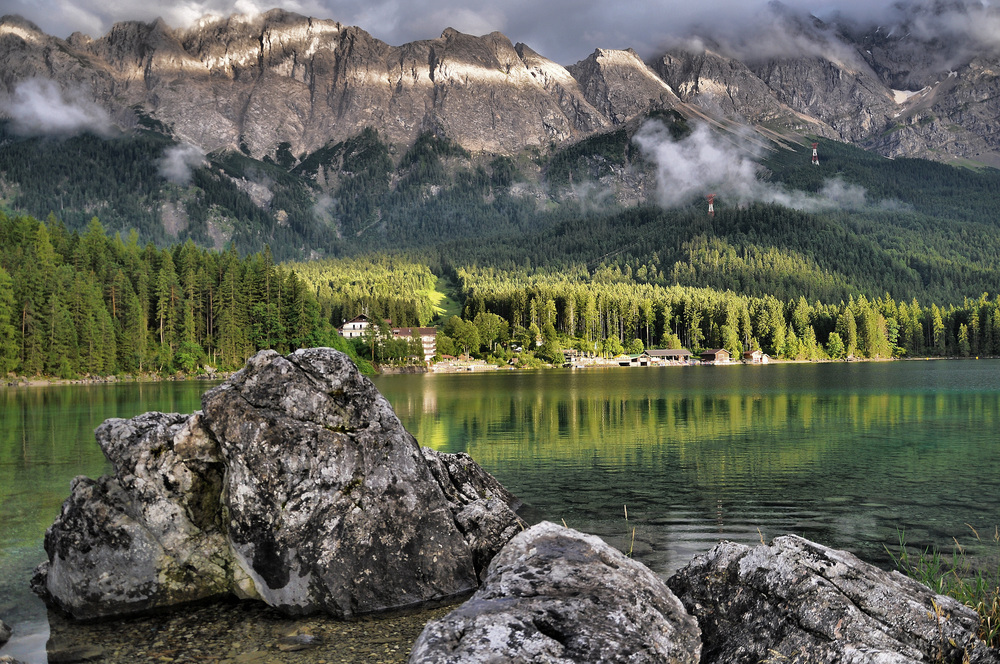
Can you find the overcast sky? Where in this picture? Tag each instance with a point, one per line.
(563, 30)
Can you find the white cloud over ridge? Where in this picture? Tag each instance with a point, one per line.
(179, 161)
(707, 162)
(563, 30)
(39, 107)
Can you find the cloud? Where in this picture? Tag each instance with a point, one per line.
(775, 32)
(179, 161)
(697, 165)
(323, 208)
(39, 107)
(958, 29)
(590, 197)
(707, 162)
(563, 30)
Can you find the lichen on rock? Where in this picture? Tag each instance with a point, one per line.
(554, 594)
(796, 601)
(296, 484)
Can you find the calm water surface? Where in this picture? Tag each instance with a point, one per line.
(46, 439)
(845, 454)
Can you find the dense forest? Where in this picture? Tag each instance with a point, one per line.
(85, 304)
(384, 286)
(347, 197)
(918, 229)
(121, 180)
(531, 251)
(607, 311)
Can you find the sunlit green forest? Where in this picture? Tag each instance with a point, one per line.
(276, 253)
(87, 304)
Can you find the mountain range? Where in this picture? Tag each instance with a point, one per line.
(279, 81)
(316, 139)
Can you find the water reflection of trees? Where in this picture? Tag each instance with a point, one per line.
(696, 464)
(47, 438)
(739, 433)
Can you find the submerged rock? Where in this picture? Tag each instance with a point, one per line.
(798, 601)
(296, 484)
(61, 652)
(557, 595)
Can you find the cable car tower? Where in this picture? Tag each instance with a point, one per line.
(711, 205)
(815, 155)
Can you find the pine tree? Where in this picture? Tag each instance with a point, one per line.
(9, 359)
(167, 298)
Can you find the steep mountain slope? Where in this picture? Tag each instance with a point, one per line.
(318, 139)
(253, 83)
(621, 85)
(901, 91)
(280, 81)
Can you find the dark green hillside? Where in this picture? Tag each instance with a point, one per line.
(80, 177)
(927, 230)
(594, 157)
(764, 250)
(289, 221)
(118, 180)
(434, 192)
(926, 187)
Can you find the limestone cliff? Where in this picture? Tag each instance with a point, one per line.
(621, 85)
(283, 81)
(253, 83)
(897, 91)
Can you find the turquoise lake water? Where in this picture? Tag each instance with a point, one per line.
(845, 454)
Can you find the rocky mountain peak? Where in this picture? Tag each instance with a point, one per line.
(15, 24)
(620, 85)
(129, 47)
(257, 82)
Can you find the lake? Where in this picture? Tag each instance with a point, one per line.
(845, 454)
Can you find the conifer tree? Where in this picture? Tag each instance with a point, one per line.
(8, 344)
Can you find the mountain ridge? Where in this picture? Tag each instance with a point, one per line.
(256, 82)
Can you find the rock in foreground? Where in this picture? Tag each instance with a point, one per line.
(797, 601)
(5, 633)
(556, 595)
(296, 484)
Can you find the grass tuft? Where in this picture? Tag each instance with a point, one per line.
(978, 587)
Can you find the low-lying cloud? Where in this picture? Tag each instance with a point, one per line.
(39, 107)
(323, 208)
(708, 162)
(563, 30)
(179, 161)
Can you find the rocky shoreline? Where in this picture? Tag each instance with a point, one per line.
(557, 595)
(297, 490)
(232, 632)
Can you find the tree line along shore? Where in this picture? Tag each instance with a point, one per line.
(89, 304)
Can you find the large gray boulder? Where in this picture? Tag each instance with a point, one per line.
(557, 595)
(482, 507)
(147, 537)
(798, 601)
(296, 485)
